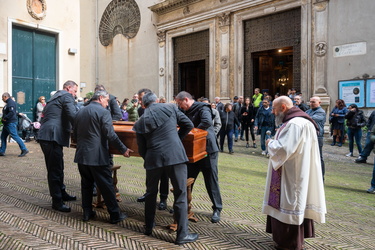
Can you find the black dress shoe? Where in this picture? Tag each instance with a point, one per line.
(188, 238)
(148, 229)
(118, 218)
(67, 197)
(162, 204)
(62, 208)
(360, 160)
(142, 198)
(23, 153)
(2, 154)
(88, 215)
(215, 216)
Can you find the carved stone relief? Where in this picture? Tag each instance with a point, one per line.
(224, 19)
(161, 38)
(120, 17)
(186, 10)
(224, 62)
(37, 8)
(320, 48)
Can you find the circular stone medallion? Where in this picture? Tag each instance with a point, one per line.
(37, 8)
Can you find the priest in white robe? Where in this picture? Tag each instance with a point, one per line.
(294, 193)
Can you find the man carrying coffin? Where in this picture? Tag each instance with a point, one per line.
(160, 146)
(201, 116)
(93, 129)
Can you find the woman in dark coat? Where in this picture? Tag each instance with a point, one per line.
(355, 120)
(228, 119)
(337, 120)
(247, 121)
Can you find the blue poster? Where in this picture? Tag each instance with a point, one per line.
(352, 92)
(370, 93)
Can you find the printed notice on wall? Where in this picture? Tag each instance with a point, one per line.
(352, 49)
(370, 93)
(352, 92)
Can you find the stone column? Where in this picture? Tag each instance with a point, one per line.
(162, 83)
(223, 39)
(319, 63)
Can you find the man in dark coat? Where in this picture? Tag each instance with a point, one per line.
(10, 121)
(200, 114)
(164, 180)
(160, 146)
(93, 129)
(54, 134)
(112, 104)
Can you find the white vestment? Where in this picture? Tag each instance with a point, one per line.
(296, 150)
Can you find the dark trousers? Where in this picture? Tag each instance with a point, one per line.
(178, 175)
(320, 142)
(229, 134)
(163, 187)
(355, 133)
(208, 166)
(102, 176)
(248, 127)
(54, 158)
(369, 145)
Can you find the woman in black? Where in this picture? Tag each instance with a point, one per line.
(247, 121)
(228, 119)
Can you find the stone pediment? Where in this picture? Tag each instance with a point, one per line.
(171, 5)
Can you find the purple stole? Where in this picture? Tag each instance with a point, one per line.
(275, 186)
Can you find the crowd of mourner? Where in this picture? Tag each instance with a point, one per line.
(291, 136)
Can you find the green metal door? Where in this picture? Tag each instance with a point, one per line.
(33, 67)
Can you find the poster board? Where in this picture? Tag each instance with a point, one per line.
(353, 92)
(370, 93)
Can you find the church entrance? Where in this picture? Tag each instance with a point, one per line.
(191, 62)
(273, 53)
(273, 70)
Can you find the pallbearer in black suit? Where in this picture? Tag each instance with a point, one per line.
(160, 145)
(93, 129)
(201, 116)
(53, 135)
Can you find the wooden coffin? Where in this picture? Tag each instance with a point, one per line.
(194, 142)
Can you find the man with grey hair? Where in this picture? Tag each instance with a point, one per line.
(200, 114)
(319, 116)
(294, 192)
(159, 144)
(219, 104)
(93, 130)
(53, 135)
(10, 120)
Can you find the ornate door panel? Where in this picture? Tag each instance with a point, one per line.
(272, 32)
(191, 57)
(33, 67)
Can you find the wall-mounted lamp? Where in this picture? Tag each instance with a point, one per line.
(72, 51)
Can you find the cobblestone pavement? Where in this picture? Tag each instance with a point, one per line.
(28, 222)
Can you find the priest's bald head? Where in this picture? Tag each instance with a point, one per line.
(281, 105)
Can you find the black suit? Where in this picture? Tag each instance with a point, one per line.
(54, 133)
(112, 107)
(201, 116)
(93, 129)
(160, 145)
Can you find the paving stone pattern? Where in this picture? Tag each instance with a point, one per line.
(27, 220)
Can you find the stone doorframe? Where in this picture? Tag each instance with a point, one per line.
(166, 57)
